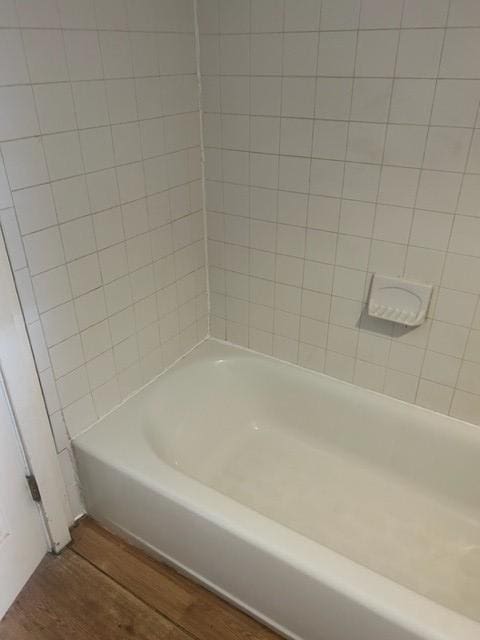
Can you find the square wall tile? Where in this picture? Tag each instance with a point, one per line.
(35, 208)
(37, 13)
(412, 100)
(13, 65)
(340, 14)
(376, 14)
(55, 107)
(45, 55)
(52, 288)
(18, 118)
(301, 15)
(336, 53)
(71, 198)
(419, 53)
(44, 250)
(425, 13)
(25, 162)
(376, 51)
(83, 55)
(90, 103)
(461, 49)
(62, 151)
(456, 103)
(78, 238)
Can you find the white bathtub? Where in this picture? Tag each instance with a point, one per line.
(327, 511)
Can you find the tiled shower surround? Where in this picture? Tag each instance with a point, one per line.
(340, 138)
(101, 196)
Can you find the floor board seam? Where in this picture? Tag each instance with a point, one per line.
(163, 615)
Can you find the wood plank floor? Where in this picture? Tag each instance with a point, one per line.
(101, 588)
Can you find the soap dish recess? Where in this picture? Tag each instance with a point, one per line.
(399, 300)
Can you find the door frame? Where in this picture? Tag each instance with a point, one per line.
(29, 409)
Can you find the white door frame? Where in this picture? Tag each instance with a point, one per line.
(28, 407)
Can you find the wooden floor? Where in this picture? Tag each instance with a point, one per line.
(100, 588)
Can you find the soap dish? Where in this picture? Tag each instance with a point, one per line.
(399, 300)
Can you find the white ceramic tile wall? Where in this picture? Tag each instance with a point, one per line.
(101, 195)
(342, 138)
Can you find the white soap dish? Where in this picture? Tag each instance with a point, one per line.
(399, 300)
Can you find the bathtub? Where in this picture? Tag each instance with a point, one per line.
(327, 511)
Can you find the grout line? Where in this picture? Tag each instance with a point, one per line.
(314, 118)
(202, 160)
(59, 27)
(277, 187)
(103, 78)
(367, 283)
(343, 161)
(340, 30)
(341, 195)
(222, 164)
(433, 301)
(309, 196)
(42, 329)
(329, 197)
(462, 358)
(340, 76)
(249, 257)
(109, 168)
